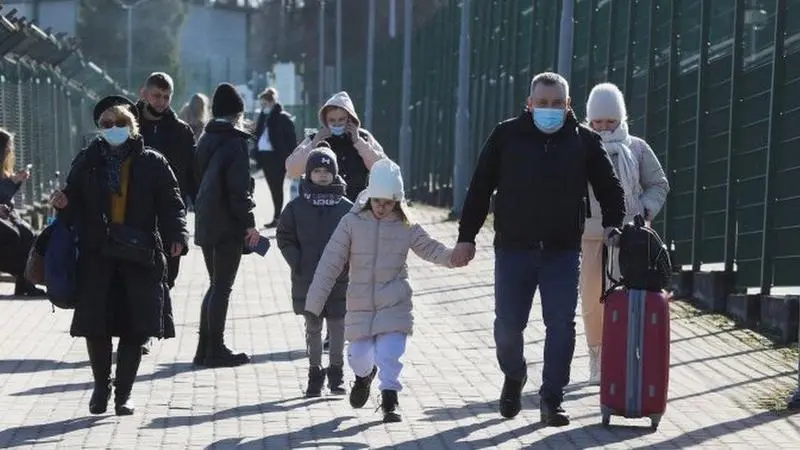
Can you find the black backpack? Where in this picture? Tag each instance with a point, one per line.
(644, 262)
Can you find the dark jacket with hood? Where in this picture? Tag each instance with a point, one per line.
(153, 206)
(174, 139)
(224, 204)
(541, 182)
(281, 130)
(304, 229)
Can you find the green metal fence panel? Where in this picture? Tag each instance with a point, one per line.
(705, 88)
(47, 90)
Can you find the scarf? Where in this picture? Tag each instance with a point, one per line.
(317, 195)
(626, 166)
(114, 157)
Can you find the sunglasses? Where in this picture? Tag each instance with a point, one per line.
(106, 124)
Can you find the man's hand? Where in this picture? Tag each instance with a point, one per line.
(251, 237)
(462, 254)
(177, 249)
(322, 134)
(59, 200)
(611, 236)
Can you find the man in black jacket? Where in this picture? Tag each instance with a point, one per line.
(164, 131)
(539, 163)
(276, 138)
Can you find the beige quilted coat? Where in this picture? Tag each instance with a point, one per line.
(379, 294)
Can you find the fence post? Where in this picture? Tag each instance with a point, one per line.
(700, 126)
(737, 66)
(370, 65)
(461, 154)
(775, 96)
(674, 64)
(405, 113)
(321, 62)
(566, 39)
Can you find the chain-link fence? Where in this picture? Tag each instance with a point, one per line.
(711, 84)
(47, 92)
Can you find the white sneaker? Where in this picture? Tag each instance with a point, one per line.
(594, 365)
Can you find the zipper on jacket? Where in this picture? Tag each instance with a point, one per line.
(375, 277)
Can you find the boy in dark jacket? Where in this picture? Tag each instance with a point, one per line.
(304, 228)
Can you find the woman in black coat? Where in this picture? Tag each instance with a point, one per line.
(224, 221)
(275, 140)
(16, 235)
(121, 197)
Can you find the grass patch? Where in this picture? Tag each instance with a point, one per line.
(683, 310)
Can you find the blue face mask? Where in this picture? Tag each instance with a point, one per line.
(336, 131)
(548, 120)
(115, 135)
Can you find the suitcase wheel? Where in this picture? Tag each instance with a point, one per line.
(654, 421)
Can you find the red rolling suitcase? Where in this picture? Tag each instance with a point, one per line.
(634, 375)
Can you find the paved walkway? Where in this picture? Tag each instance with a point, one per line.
(718, 379)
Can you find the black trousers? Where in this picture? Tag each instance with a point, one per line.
(274, 168)
(222, 262)
(129, 355)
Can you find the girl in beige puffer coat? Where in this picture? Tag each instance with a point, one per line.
(374, 239)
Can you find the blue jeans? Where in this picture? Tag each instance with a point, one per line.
(517, 274)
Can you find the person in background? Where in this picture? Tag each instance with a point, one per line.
(163, 131)
(275, 139)
(646, 188)
(303, 231)
(373, 240)
(16, 235)
(119, 190)
(224, 221)
(355, 148)
(196, 113)
(540, 163)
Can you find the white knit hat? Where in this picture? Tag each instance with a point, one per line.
(385, 181)
(606, 102)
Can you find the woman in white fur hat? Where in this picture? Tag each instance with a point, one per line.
(645, 187)
(355, 148)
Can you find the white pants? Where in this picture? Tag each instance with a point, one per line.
(385, 351)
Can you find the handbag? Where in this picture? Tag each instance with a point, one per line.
(126, 243)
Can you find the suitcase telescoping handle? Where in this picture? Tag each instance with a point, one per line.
(608, 269)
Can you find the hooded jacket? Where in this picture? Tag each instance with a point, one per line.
(355, 158)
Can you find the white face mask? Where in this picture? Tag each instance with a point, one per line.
(116, 135)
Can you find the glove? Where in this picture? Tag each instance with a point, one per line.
(611, 236)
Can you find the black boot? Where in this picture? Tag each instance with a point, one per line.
(200, 353)
(129, 355)
(218, 355)
(511, 397)
(336, 380)
(100, 359)
(316, 379)
(360, 392)
(552, 414)
(389, 405)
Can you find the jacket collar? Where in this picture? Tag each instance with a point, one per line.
(169, 113)
(225, 127)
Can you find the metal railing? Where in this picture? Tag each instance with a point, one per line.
(47, 92)
(710, 84)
